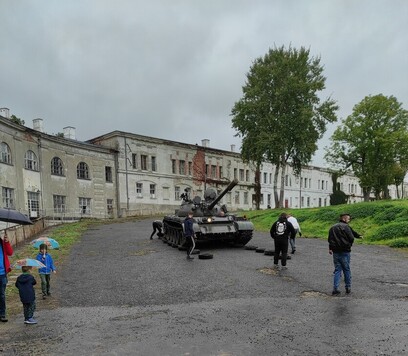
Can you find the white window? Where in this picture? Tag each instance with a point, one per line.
(30, 161)
(57, 167)
(139, 190)
(152, 191)
(82, 171)
(176, 193)
(237, 198)
(5, 153)
(8, 197)
(154, 167)
(59, 203)
(143, 162)
(33, 204)
(182, 167)
(246, 198)
(109, 206)
(85, 206)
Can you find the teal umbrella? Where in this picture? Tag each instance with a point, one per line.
(51, 243)
(29, 262)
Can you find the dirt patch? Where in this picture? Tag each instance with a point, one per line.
(313, 294)
(268, 270)
(141, 252)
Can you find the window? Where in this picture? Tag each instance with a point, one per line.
(308, 201)
(235, 173)
(33, 204)
(152, 191)
(57, 168)
(139, 189)
(108, 174)
(154, 167)
(306, 183)
(109, 206)
(59, 203)
(220, 172)
(265, 177)
(241, 174)
(213, 171)
(236, 197)
(82, 171)
(182, 167)
(166, 193)
(190, 168)
(246, 198)
(143, 162)
(5, 153)
(30, 161)
(247, 175)
(177, 193)
(85, 206)
(134, 160)
(206, 169)
(286, 180)
(8, 197)
(173, 166)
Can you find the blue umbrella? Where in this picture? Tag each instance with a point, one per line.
(29, 262)
(51, 243)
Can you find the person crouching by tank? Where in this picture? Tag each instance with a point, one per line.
(280, 231)
(45, 272)
(189, 234)
(157, 227)
(25, 284)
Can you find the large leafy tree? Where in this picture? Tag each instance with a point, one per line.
(281, 116)
(373, 143)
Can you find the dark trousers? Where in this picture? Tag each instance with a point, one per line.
(45, 283)
(281, 246)
(29, 309)
(158, 229)
(190, 244)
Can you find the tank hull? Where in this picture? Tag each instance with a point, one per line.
(208, 228)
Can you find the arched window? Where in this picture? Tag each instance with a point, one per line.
(57, 167)
(30, 161)
(82, 171)
(5, 153)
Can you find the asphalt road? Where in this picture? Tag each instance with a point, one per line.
(120, 293)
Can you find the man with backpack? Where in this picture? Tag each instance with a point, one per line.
(281, 231)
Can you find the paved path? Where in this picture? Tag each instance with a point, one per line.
(120, 293)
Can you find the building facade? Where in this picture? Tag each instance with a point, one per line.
(124, 174)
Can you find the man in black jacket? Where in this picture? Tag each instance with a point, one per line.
(189, 235)
(341, 238)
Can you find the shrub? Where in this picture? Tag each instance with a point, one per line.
(390, 214)
(391, 231)
(338, 197)
(399, 243)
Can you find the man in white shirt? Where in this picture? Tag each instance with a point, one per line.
(296, 225)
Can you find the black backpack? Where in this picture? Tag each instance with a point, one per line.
(280, 228)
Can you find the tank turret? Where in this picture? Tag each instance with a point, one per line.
(211, 220)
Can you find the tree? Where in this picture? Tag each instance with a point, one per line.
(17, 120)
(280, 116)
(373, 143)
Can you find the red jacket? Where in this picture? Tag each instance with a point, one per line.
(7, 251)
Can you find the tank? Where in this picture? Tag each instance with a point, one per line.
(212, 222)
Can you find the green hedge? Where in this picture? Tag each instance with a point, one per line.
(390, 231)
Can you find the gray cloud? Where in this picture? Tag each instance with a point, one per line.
(173, 69)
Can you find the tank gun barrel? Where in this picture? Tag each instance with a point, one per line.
(225, 191)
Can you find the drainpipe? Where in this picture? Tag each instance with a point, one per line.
(41, 174)
(127, 179)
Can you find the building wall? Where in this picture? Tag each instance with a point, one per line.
(41, 184)
(148, 175)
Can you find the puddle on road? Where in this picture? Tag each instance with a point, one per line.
(398, 284)
(313, 294)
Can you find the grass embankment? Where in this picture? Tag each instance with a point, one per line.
(380, 222)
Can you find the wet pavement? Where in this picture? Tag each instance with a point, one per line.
(120, 293)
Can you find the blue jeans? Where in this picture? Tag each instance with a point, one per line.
(341, 261)
(3, 284)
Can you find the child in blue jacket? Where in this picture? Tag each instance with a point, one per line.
(45, 272)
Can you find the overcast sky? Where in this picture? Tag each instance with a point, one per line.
(173, 69)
